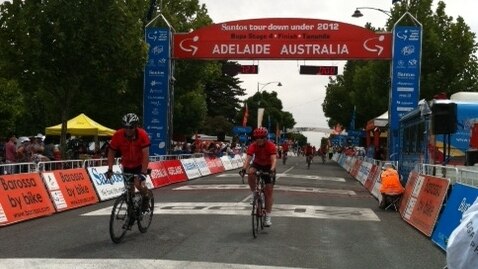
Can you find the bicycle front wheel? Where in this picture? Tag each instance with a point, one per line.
(119, 219)
(255, 217)
(146, 217)
(261, 210)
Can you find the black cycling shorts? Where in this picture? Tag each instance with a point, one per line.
(264, 168)
(136, 171)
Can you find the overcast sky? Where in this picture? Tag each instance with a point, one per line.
(302, 95)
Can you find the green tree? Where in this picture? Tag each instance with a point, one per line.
(444, 67)
(273, 110)
(71, 55)
(11, 105)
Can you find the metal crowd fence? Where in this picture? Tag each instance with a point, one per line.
(30, 167)
(18, 168)
(462, 174)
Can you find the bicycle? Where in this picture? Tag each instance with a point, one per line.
(259, 212)
(284, 157)
(127, 209)
(308, 159)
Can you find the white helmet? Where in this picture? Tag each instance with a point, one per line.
(130, 120)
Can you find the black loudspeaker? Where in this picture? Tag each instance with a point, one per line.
(471, 157)
(444, 118)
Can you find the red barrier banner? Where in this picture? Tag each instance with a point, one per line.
(283, 38)
(175, 171)
(219, 165)
(70, 188)
(159, 175)
(422, 210)
(409, 187)
(371, 178)
(355, 168)
(23, 197)
(212, 165)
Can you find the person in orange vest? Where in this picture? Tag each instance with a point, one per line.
(391, 187)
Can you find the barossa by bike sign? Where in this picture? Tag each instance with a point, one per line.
(282, 38)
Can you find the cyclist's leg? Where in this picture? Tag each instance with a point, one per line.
(251, 178)
(269, 190)
(140, 184)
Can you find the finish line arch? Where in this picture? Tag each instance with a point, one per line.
(279, 39)
(284, 39)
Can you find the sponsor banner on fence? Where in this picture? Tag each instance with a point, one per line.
(348, 164)
(213, 165)
(363, 172)
(202, 166)
(355, 167)
(226, 162)
(376, 185)
(106, 188)
(219, 164)
(370, 181)
(425, 203)
(159, 175)
(70, 188)
(238, 161)
(191, 168)
(409, 187)
(461, 198)
(23, 197)
(175, 171)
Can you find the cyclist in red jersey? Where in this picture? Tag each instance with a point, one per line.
(285, 148)
(264, 153)
(133, 144)
(308, 150)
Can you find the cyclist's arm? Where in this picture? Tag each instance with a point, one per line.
(247, 162)
(144, 164)
(273, 162)
(111, 158)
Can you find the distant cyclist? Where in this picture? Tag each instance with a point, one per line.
(264, 153)
(133, 144)
(285, 148)
(309, 151)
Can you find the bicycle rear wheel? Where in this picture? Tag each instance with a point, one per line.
(144, 220)
(119, 219)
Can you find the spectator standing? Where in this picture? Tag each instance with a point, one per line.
(11, 153)
(23, 154)
(49, 148)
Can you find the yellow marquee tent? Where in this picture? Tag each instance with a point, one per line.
(81, 125)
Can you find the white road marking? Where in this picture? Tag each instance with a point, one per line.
(276, 188)
(244, 209)
(281, 175)
(122, 264)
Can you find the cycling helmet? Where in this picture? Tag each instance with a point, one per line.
(130, 120)
(260, 132)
